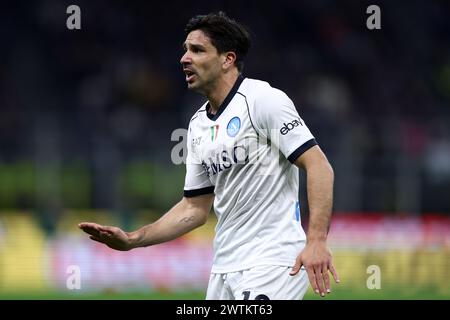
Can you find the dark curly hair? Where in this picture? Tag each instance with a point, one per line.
(225, 34)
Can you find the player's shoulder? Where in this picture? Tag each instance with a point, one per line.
(198, 113)
(259, 90)
(262, 96)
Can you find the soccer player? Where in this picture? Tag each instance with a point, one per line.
(245, 145)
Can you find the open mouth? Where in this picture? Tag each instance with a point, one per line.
(189, 75)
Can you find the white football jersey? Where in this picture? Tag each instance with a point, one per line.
(243, 154)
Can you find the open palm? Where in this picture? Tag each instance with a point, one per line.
(113, 237)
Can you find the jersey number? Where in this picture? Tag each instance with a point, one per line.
(258, 297)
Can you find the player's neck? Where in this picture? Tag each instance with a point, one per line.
(220, 91)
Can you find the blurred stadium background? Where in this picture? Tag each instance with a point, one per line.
(85, 134)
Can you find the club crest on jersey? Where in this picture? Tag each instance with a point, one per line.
(214, 132)
(234, 126)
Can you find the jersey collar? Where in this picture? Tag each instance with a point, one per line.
(227, 100)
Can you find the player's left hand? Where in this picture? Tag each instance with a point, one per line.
(317, 259)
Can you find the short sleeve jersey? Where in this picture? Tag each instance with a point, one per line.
(244, 154)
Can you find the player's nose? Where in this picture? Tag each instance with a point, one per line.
(185, 58)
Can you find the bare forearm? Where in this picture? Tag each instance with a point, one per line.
(316, 257)
(320, 178)
(176, 222)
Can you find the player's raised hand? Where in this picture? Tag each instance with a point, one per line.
(316, 257)
(113, 237)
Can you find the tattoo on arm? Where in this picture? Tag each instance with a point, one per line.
(187, 219)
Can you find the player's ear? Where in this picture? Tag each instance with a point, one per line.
(230, 59)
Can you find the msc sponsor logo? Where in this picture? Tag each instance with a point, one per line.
(225, 160)
(289, 126)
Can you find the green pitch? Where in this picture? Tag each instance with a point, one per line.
(338, 294)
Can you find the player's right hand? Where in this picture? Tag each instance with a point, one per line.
(113, 237)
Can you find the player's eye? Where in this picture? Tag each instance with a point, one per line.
(196, 49)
